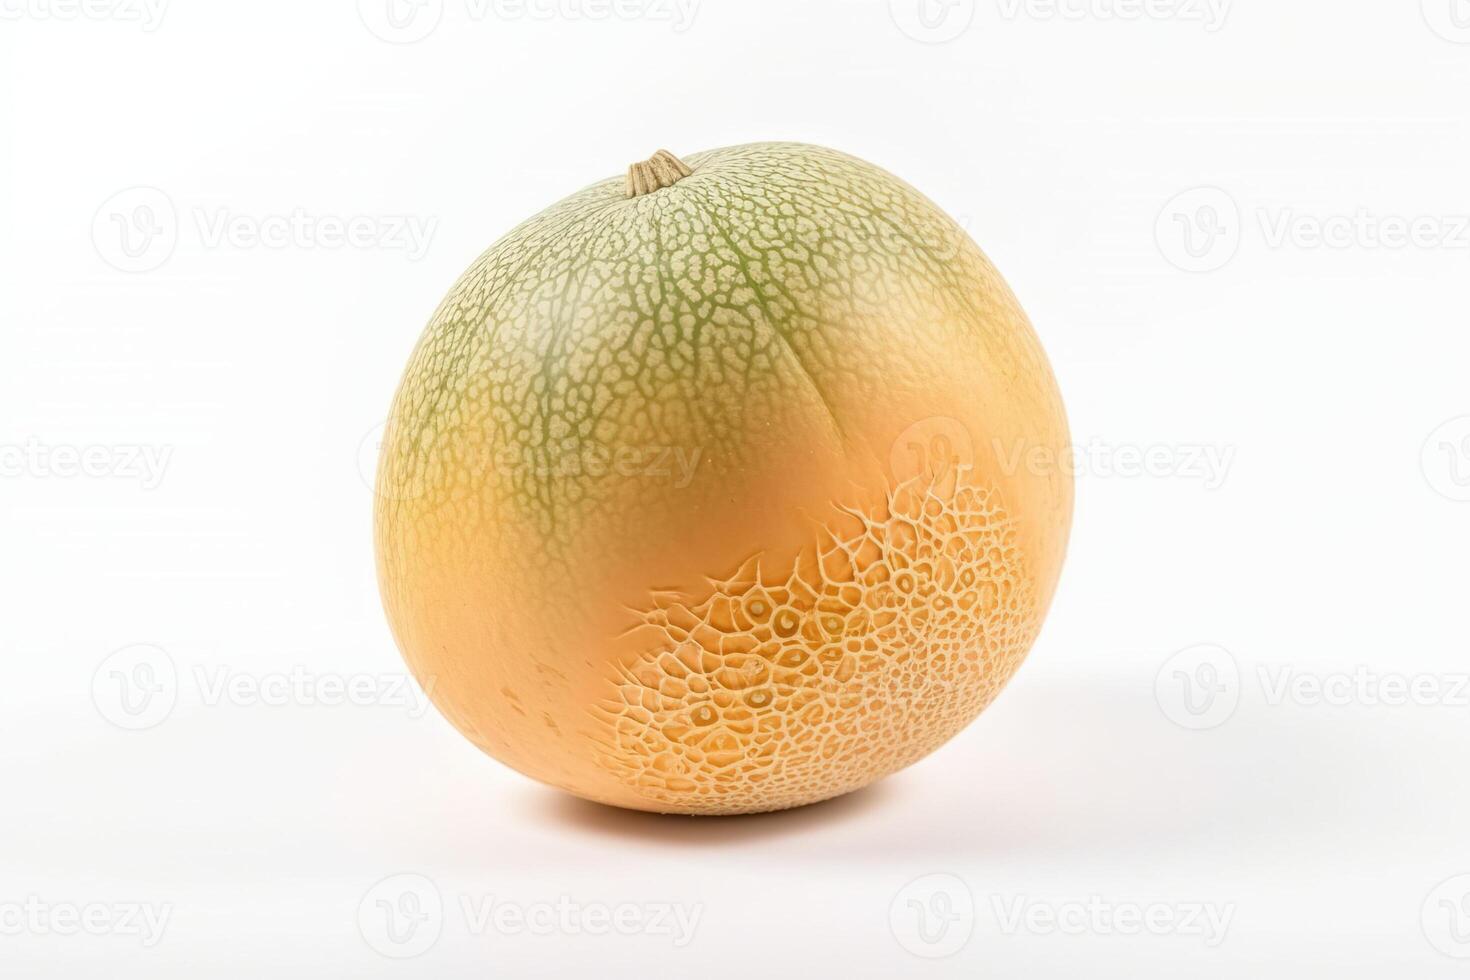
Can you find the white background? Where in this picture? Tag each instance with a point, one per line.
(1148, 182)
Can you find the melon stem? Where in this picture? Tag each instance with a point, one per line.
(661, 170)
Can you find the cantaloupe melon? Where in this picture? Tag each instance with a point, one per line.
(705, 490)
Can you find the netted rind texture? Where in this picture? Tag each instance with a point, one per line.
(783, 687)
